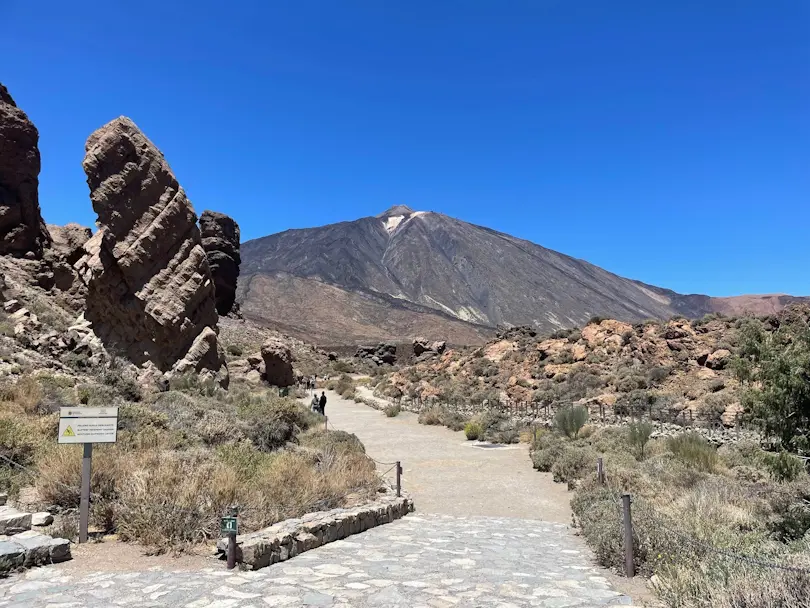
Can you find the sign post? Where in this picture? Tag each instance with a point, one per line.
(229, 526)
(87, 425)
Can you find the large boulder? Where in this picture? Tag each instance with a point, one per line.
(278, 360)
(383, 352)
(422, 346)
(220, 239)
(150, 295)
(68, 241)
(22, 230)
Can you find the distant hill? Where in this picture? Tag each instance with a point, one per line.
(405, 273)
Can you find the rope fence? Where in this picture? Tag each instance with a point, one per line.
(630, 531)
(606, 414)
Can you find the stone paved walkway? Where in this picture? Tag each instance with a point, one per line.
(420, 561)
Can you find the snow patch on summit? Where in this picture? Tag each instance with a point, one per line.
(391, 223)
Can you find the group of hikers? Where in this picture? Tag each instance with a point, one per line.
(319, 403)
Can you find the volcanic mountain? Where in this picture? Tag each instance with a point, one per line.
(406, 273)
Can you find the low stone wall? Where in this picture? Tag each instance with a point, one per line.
(291, 537)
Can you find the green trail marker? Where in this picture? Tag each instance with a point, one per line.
(228, 525)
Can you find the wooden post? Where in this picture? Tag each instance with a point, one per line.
(399, 480)
(84, 504)
(231, 550)
(325, 423)
(600, 471)
(629, 566)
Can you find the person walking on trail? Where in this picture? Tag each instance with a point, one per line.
(322, 403)
(316, 404)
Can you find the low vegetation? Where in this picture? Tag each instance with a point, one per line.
(182, 457)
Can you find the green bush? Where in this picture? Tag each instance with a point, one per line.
(784, 467)
(693, 450)
(392, 410)
(570, 420)
(638, 434)
(473, 431)
(235, 350)
(573, 463)
(545, 451)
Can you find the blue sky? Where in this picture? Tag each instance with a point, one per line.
(666, 141)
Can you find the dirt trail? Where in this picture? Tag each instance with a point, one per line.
(446, 474)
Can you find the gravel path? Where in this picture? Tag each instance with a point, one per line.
(445, 473)
(488, 531)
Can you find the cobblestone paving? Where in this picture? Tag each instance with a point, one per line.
(431, 561)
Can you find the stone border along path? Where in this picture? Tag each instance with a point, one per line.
(488, 531)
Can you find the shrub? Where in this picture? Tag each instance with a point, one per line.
(784, 467)
(694, 450)
(569, 420)
(26, 392)
(595, 320)
(235, 350)
(573, 463)
(392, 410)
(439, 415)
(473, 431)
(546, 450)
(432, 415)
(345, 386)
(638, 434)
(342, 367)
(658, 374)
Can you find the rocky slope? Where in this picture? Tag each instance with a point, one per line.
(679, 368)
(407, 273)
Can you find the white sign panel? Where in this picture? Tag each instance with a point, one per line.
(88, 424)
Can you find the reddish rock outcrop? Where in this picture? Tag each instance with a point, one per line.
(22, 230)
(150, 291)
(220, 239)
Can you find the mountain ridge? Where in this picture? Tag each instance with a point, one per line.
(439, 264)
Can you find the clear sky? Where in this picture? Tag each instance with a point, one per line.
(667, 141)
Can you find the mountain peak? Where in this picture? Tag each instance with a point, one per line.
(396, 210)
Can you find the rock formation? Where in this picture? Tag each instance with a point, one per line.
(422, 346)
(68, 241)
(382, 353)
(22, 230)
(150, 291)
(220, 239)
(278, 360)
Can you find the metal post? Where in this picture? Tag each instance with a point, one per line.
(629, 566)
(231, 550)
(600, 471)
(232, 542)
(84, 504)
(399, 482)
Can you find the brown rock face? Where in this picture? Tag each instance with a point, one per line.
(278, 360)
(220, 239)
(68, 240)
(21, 227)
(150, 292)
